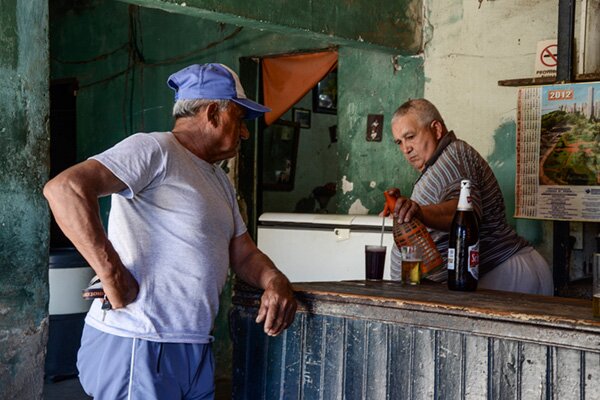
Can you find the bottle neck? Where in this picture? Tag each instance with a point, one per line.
(464, 201)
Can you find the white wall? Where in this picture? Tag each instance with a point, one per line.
(470, 46)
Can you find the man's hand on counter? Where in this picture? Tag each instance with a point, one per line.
(277, 306)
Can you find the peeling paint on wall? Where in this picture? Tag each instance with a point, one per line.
(358, 208)
(370, 82)
(347, 186)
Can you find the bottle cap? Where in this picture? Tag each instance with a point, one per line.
(464, 201)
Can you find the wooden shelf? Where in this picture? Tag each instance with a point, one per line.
(588, 77)
(547, 80)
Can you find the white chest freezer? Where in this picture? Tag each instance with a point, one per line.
(322, 247)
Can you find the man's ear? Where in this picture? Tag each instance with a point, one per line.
(438, 129)
(212, 114)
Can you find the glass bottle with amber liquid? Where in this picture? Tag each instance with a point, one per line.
(463, 244)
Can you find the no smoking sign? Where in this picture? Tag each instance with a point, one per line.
(546, 58)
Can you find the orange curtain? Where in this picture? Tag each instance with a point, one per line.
(286, 79)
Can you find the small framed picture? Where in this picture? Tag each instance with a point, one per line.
(280, 150)
(325, 94)
(374, 127)
(301, 116)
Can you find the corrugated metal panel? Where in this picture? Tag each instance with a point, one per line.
(329, 357)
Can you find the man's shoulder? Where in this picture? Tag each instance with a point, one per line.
(152, 136)
(145, 137)
(139, 145)
(460, 144)
(150, 141)
(462, 149)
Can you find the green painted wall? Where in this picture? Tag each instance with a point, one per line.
(119, 93)
(126, 95)
(376, 23)
(369, 84)
(23, 211)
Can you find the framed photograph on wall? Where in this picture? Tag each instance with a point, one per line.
(280, 152)
(325, 94)
(302, 117)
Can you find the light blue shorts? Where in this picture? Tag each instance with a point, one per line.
(119, 368)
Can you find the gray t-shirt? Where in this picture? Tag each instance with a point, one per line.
(172, 228)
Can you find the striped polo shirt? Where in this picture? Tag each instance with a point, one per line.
(453, 161)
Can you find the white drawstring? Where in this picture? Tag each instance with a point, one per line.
(131, 366)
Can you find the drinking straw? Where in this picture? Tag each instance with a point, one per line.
(382, 228)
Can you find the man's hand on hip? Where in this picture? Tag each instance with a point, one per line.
(120, 287)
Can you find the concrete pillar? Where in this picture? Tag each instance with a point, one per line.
(24, 142)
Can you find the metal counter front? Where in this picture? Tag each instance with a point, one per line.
(383, 340)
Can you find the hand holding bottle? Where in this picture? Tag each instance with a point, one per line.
(412, 232)
(403, 208)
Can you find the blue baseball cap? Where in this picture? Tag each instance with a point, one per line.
(214, 82)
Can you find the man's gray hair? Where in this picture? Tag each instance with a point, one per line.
(189, 108)
(423, 109)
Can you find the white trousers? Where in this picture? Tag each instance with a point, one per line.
(525, 272)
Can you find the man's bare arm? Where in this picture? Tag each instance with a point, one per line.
(277, 304)
(73, 197)
(435, 216)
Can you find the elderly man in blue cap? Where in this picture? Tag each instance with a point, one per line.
(174, 230)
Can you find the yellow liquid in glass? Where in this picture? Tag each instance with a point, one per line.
(411, 272)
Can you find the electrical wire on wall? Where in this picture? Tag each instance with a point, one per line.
(136, 60)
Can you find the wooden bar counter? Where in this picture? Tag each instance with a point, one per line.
(384, 340)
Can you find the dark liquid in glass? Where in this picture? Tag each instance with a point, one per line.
(374, 262)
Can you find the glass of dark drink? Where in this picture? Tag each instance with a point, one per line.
(374, 261)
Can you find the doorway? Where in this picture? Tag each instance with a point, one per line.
(292, 162)
(63, 141)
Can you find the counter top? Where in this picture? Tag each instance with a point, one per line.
(540, 319)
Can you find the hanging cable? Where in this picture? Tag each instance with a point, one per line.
(93, 59)
(196, 52)
(135, 57)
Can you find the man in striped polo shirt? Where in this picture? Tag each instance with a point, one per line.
(507, 261)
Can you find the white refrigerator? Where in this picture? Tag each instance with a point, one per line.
(322, 247)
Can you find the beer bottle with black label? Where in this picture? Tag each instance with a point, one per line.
(463, 245)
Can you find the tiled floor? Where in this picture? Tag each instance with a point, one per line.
(70, 389)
